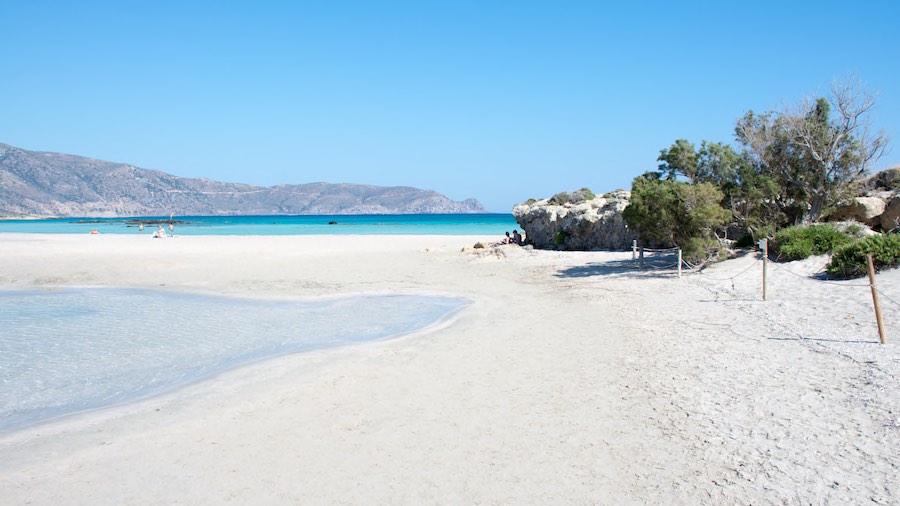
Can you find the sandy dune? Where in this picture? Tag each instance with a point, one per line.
(573, 379)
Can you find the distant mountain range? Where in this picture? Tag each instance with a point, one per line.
(54, 184)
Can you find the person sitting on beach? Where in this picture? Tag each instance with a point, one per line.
(501, 242)
(517, 237)
(160, 233)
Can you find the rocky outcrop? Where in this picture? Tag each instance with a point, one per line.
(576, 221)
(54, 184)
(886, 180)
(866, 210)
(878, 204)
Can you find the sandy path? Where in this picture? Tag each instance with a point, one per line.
(571, 379)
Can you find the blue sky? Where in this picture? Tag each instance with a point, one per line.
(500, 101)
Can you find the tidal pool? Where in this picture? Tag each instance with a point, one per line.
(71, 350)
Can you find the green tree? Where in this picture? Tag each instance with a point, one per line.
(675, 213)
(713, 163)
(680, 159)
(748, 193)
(816, 152)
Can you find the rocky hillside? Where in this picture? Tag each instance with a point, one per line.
(54, 184)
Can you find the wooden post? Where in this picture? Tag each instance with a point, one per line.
(878, 318)
(642, 257)
(765, 259)
(679, 263)
(634, 250)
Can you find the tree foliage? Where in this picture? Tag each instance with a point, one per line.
(747, 192)
(793, 166)
(799, 242)
(849, 261)
(815, 152)
(675, 213)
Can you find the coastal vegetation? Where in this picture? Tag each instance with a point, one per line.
(788, 168)
(669, 212)
(797, 243)
(849, 260)
(575, 197)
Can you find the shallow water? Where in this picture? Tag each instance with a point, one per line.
(362, 224)
(71, 350)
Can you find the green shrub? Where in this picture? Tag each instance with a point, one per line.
(797, 243)
(576, 197)
(700, 249)
(849, 261)
(668, 212)
(559, 199)
(750, 239)
(560, 238)
(746, 241)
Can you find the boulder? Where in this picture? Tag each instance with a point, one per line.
(862, 209)
(586, 223)
(888, 179)
(891, 215)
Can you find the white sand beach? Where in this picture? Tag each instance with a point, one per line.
(573, 378)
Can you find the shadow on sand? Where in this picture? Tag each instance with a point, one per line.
(655, 267)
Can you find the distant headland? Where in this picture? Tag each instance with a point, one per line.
(36, 183)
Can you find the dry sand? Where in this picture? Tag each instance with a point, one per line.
(572, 379)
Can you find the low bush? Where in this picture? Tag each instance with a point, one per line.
(751, 238)
(576, 197)
(559, 199)
(849, 261)
(797, 243)
(746, 241)
(701, 249)
(560, 237)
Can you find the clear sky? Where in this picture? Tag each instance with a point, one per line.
(500, 101)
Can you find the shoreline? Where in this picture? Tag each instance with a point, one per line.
(118, 313)
(571, 378)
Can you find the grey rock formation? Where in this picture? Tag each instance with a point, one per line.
(866, 210)
(583, 222)
(54, 184)
(890, 218)
(886, 180)
(878, 204)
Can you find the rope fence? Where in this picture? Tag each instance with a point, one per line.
(639, 254)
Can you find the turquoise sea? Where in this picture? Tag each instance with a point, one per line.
(365, 224)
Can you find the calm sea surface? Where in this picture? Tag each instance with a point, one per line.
(71, 350)
(406, 224)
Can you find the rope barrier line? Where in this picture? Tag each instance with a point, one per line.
(646, 259)
(692, 270)
(732, 277)
(765, 262)
(888, 298)
(662, 268)
(688, 264)
(659, 250)
(836, 283)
